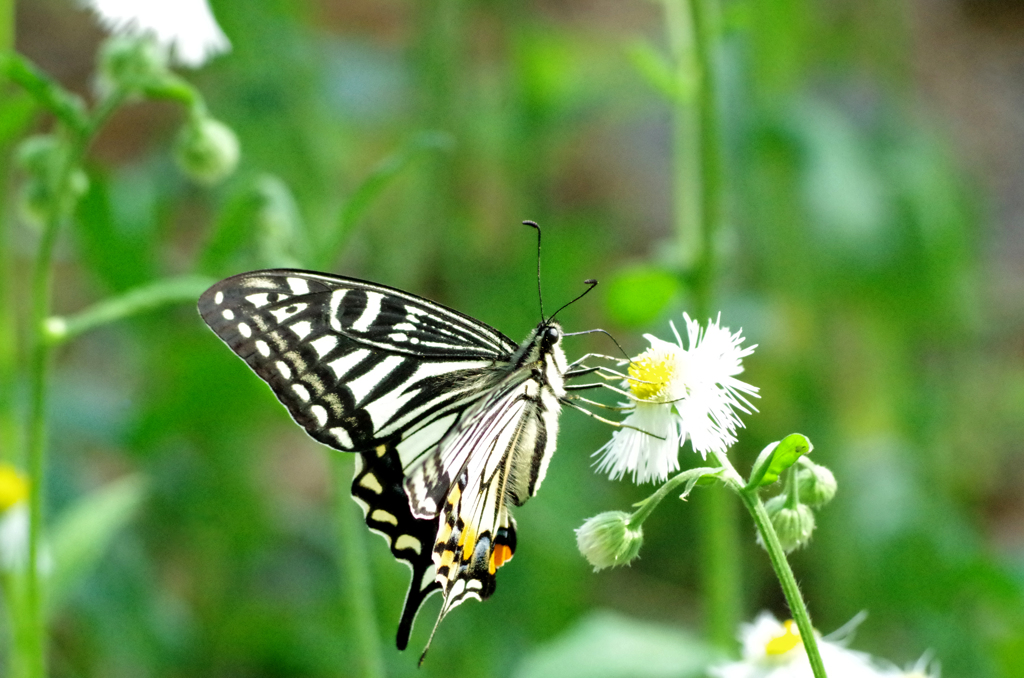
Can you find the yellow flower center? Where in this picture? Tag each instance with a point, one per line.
(650, 374)
(784, 642)
(13, 487)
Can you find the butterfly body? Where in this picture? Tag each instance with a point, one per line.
(452, 421)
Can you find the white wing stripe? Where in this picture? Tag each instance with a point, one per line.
(361, 386)
(344, 364)
(369, 313)
(335, 306)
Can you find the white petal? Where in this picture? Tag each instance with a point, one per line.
(185, 26)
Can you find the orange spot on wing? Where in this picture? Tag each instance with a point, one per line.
(501, 555)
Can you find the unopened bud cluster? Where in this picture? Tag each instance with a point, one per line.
(791, 512)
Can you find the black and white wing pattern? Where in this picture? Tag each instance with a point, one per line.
(453, 422)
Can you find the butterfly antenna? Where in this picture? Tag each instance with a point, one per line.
(534, 224)
(592, 284)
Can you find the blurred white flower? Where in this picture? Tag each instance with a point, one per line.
(14, 538)
(679, 393)
(185, 27)
(773, 649)
(925, 667)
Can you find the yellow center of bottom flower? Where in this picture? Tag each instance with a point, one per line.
(650, 373)
(13, 487)
(784, 642)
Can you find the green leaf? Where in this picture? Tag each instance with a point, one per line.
(654, 67)
(610, 645)
(636, 296)
(374, 184)
(776, 458)
(83, 533)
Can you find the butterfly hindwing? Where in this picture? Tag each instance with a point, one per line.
(377, 487)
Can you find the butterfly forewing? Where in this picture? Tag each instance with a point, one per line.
(339, 353)
(451, 419)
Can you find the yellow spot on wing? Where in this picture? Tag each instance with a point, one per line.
(446, 559)
(468, 542)
(382, 450)
(384, 517)
(370, 482)
(408, 542)
(454, 495)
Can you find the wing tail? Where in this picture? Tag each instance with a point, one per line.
(377, 487)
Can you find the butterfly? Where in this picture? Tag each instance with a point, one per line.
(452, 422)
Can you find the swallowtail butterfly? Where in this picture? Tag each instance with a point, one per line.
(451, 421)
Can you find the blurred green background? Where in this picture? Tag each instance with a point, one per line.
(871, 247)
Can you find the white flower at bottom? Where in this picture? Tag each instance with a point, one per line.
(679, 393)
(185, 26)
(772, 649)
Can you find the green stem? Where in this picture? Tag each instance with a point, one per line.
(752, 500)
(648, 505)
(6, 26)
(33, 661)
(355, 571)
(792, 489)
(706, 24)
(698, 193)
(160, 293)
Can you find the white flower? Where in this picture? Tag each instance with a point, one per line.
(679, 393)
(186, 27)
(14, 538)
(774, 650)
(925, 667)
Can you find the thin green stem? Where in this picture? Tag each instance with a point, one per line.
(752, 500)
(648, 505)
(706, 25)
(355, 571)
(148, 297)
(34, 659)
(698, 195)
(6, 26)
(792, 489)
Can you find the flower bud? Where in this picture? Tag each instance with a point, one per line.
(816, 484)
(607, 540)
(131, 63)
(207, 150)
(42, 157)
(793, 526)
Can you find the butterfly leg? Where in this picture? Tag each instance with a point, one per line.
(616, 424)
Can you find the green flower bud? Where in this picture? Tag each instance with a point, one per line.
(41, 157)
(816, 483)
(207, 150)
(793, 526)
(607, 540)
(131, 63)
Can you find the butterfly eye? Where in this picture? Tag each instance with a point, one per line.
(552, 335)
